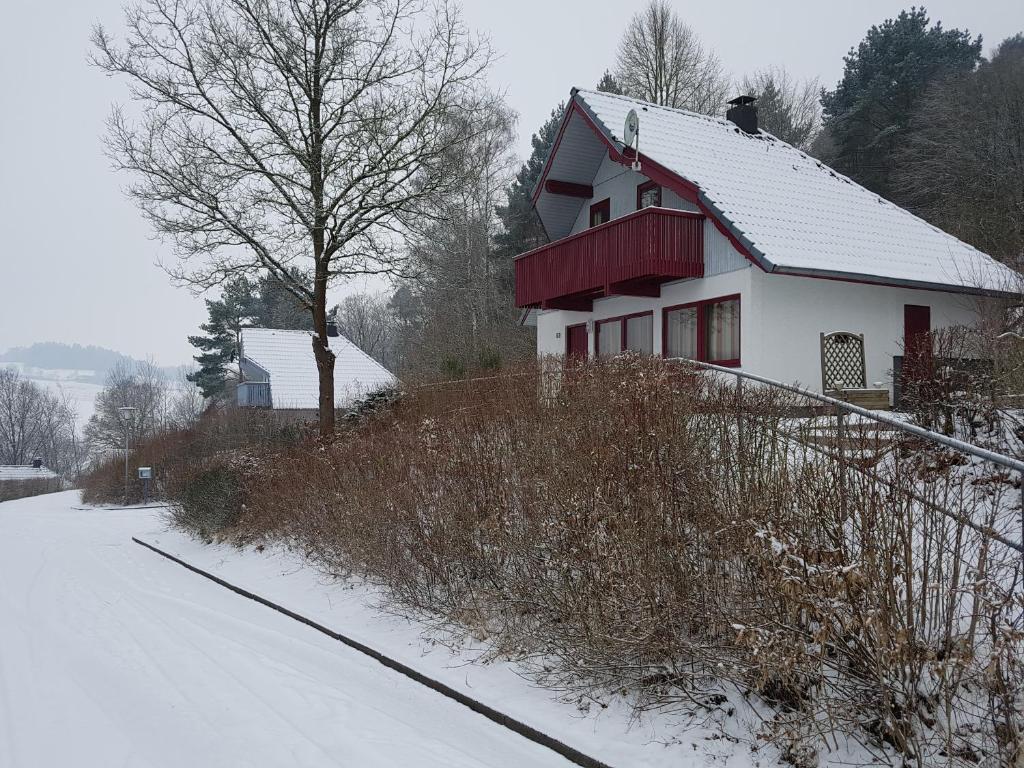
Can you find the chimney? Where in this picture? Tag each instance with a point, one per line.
(743, 113)
(332, 329)
(37, 463)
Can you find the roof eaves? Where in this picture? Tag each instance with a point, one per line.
(582, 103)
(827, 274)
(566, 116)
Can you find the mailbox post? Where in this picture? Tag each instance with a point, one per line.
(145, 475)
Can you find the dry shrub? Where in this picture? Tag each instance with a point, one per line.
(634, 525)
(180, 455)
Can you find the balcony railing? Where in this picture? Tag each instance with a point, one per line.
(254, 394)
(630, 256)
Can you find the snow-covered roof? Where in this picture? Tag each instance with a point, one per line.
(21, 472)
(287, 357)
(793, 213)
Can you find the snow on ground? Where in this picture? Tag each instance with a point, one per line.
(613, 734)
(111, 655)
(134, 660)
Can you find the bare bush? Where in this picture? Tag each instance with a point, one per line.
(178, 455)
(645, 528)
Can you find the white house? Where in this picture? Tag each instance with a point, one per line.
(277, 370)
(19, 473)
(727, 245)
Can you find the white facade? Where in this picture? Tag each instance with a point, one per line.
(781, 316)
(781, 319)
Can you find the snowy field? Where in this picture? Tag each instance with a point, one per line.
(80, 394)
(111, 655)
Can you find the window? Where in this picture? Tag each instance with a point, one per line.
(681, 332)
(640, 334)
(630, 332)
(722, 321)
(705, 330)
(609, 338)
(601, 212)
(648, 194)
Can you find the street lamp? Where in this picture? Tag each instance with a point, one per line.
(126, 412)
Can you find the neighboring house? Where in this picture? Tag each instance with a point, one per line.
(733, 247)
(18, 481)
(16, 473)
(277, 370)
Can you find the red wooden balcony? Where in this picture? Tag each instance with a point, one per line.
(629, 256)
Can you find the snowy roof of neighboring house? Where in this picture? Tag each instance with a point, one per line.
(287, 358)
(21, 472)
(791, 212)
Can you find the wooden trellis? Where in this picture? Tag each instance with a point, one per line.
(842, 361)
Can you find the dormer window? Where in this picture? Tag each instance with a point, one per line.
(601, 212)
(648, 194)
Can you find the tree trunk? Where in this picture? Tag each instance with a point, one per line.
(324, 355)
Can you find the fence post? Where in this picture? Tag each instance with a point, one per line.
(739, 433)
(840, 445)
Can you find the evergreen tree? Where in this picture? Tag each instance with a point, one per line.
(868, 114)
(608, 84)
(521, 228)
(263, 303)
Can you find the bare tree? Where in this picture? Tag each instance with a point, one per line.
(139, 386)
(291, 134)
(962, 166)
(366, 320)
(185, 404)
(36, 423)
(787, 108)
(662, 60)
(465, 282)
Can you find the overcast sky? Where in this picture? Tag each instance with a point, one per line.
(77, 263)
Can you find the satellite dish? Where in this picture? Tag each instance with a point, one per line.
(631, 134)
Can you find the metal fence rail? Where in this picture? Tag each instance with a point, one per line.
(842, 408)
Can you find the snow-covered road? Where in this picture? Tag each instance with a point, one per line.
(113, 656)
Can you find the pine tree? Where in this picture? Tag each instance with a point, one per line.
(521, 228)
(608, 84)
(262, 303)
(868, 114)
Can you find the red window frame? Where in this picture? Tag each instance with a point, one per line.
(647, 186)
(604, 207)
(702, 342)
(622, 329)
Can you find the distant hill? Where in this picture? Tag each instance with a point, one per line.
(70, 361)
(55, 355)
